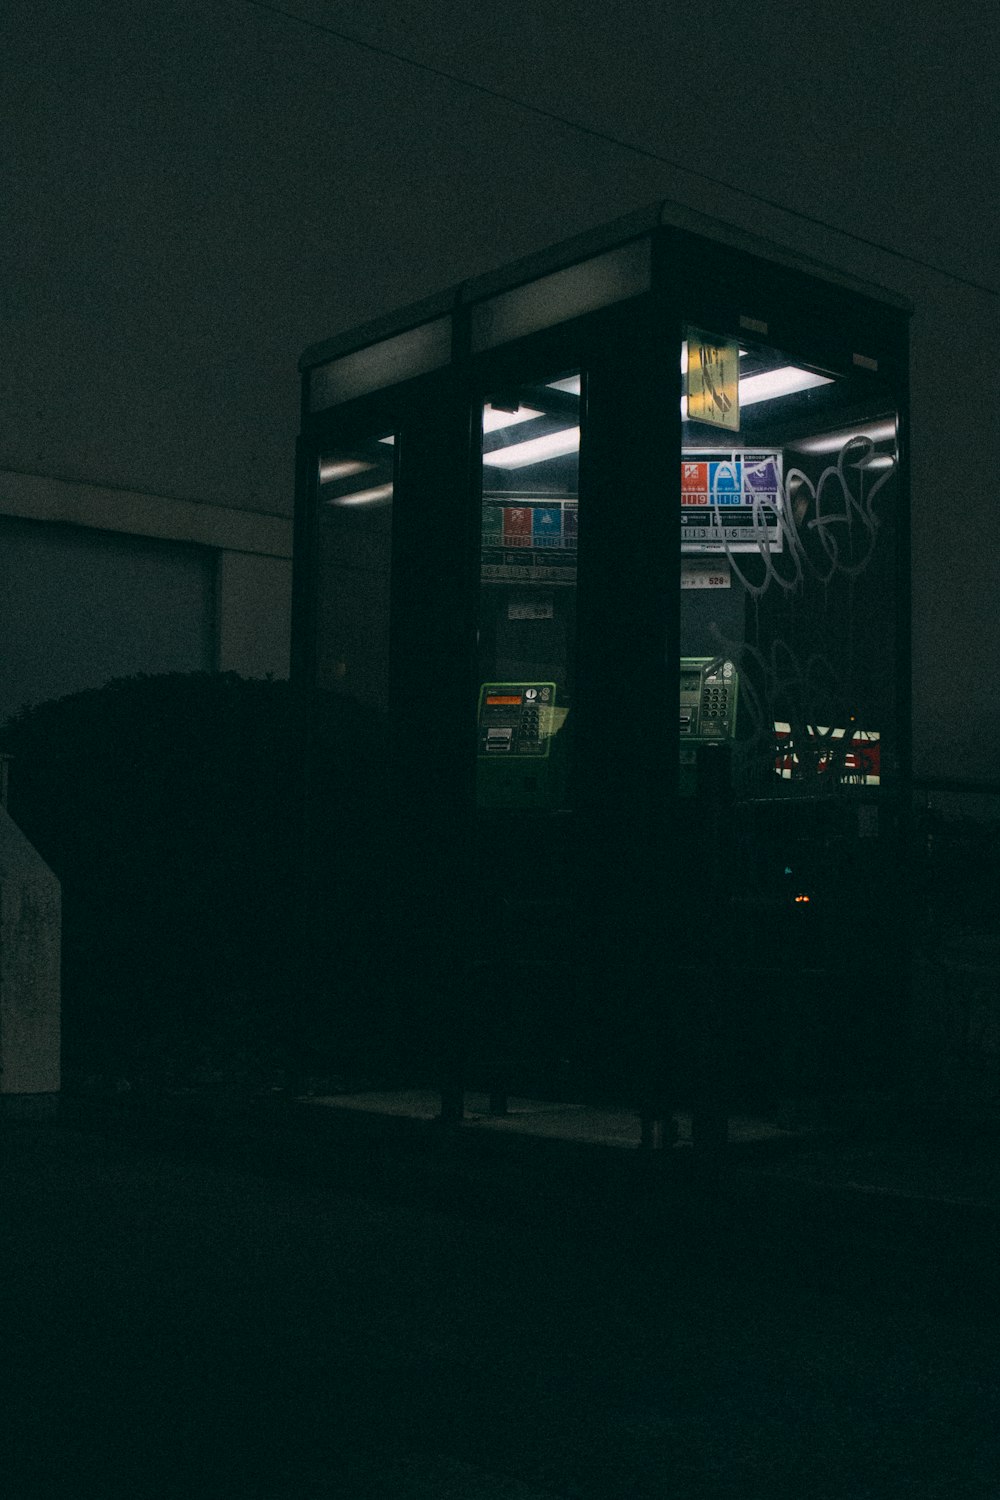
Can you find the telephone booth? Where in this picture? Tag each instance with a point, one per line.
(601, 619)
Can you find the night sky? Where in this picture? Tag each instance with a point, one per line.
(194, 190)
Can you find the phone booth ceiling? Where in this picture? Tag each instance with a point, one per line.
(609, 550)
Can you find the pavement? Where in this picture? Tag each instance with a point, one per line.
(316, 1302)
(912, 1213)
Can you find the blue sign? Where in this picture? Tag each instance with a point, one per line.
(725, 482)
(546, 526)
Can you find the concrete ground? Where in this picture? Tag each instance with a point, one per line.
(549, 1119)
(175, 1325)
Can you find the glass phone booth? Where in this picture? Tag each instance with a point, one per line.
(601, 618)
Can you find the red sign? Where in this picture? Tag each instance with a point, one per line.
(860, 759)
(517, 526)
(694, 484)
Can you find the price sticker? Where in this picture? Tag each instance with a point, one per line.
(705, 573)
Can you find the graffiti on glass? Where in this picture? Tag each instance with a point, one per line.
(838, 510)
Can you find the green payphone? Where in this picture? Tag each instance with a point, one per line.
(518, 764)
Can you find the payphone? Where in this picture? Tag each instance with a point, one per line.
(708, 692)
(709, 689)
(517, 727)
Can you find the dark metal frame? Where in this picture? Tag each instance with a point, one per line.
(629, 354)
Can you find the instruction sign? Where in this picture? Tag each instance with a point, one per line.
(731, 500)
(713, 381)
(531, 541)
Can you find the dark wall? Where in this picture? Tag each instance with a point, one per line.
(78, 608)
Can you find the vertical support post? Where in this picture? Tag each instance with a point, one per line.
(451, 1051)
(709, 1113)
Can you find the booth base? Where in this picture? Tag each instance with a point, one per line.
(581, 1123)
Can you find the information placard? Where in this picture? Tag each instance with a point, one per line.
(713, 381)
(731, 500)
(528, 540)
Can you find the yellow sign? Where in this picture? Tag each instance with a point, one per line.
(713, 381)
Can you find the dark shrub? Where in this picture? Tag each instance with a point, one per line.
(170, 807)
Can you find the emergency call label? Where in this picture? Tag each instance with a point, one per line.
(731, 501)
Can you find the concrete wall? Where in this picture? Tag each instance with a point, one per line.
(197, 190)
(98, 583)
(30, 928)
(254, 614)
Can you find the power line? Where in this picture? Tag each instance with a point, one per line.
(613, 140)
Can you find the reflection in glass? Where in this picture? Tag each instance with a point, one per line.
(527, 607)
(788, 560)
(350, 1016)
(354, 547)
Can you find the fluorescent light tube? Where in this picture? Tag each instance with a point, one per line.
(774, 383)
(363, 497)
(535, 450)
(341, 468)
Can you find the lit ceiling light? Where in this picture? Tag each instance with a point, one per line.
(341, 468)
(753, 388)
(832, 442)
(535, 450)
(774, 383)
(494, 418)
(363, 497)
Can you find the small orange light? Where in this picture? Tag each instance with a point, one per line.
(800, 898)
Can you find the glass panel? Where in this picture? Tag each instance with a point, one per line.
(789, 716)
(354, 546)
(351, 1028)
(527, 608)
(565, 294)
(788, 559)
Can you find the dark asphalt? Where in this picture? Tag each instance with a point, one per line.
(175, 1326)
